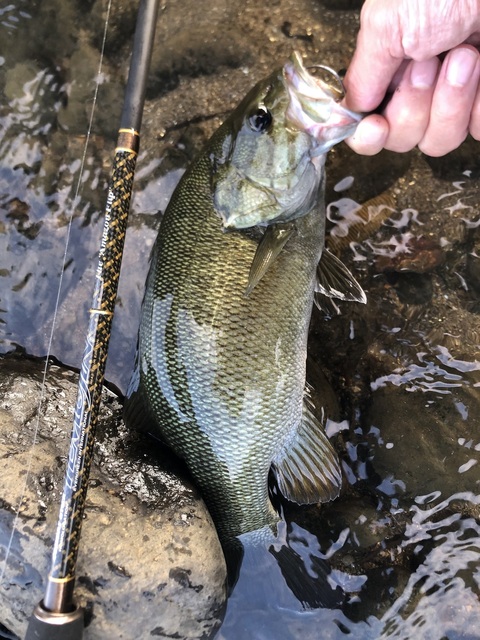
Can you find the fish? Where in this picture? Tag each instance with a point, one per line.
(222, 345)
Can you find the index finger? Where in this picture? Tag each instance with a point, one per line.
(369, 74)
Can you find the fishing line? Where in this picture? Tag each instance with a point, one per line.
(57, 301)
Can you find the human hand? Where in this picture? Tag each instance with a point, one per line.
(434, 103)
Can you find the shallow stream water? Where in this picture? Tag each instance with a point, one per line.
(399, 376)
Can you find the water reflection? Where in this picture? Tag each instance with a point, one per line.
(267, 603)
(439, 599)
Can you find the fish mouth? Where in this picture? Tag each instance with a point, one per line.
(315, 105)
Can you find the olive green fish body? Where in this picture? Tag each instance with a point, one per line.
(225, 373)
(222, 352)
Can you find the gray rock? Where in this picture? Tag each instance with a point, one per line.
(150, 563)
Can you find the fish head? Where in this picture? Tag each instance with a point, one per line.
(268, 157)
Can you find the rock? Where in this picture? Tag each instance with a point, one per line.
(419, 255)
(472, 266)
(208, 40)
(342, 5)
(75, 114)
(150, 563)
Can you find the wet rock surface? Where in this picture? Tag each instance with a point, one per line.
(150, 564)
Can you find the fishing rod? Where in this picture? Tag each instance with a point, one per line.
(57, 617)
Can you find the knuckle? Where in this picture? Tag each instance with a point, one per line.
(440, 145)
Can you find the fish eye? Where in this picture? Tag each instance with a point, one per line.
(260, 120)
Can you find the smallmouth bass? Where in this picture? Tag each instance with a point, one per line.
(221, 361)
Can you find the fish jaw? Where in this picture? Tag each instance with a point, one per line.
(315, 107)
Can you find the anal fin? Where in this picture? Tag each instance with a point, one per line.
(307, 470)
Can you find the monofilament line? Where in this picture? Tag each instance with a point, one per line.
(57, 301)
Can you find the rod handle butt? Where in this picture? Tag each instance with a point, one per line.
(46, 625)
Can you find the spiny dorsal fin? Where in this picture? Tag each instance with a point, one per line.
(335, 280)
(269, 247)
(307, 470)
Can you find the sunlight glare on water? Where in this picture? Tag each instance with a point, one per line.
(441, 597)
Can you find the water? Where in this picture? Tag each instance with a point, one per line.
(44, 120)
(401, 373)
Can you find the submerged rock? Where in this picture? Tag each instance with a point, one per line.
(150, 563)
(420, 448)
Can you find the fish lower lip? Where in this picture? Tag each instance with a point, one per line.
(333, 137)
(314, 109)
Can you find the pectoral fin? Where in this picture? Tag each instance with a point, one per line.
(307, 470)
(334, 280)
(269, 247)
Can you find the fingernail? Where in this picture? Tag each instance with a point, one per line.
(460, 66)
(423, 74)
